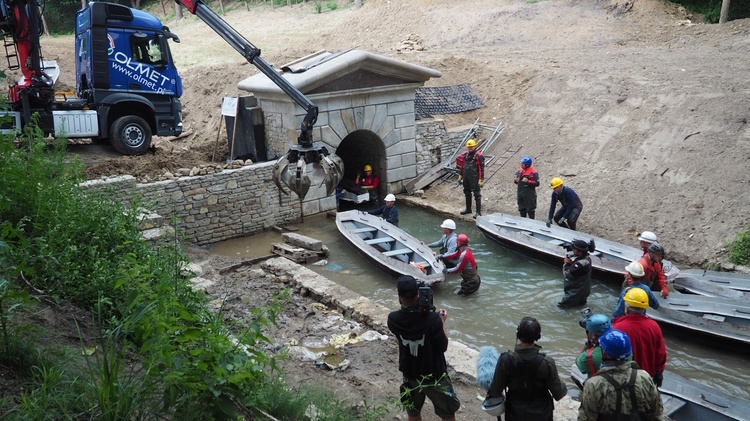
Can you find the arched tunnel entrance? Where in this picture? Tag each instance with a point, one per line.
(360, 148)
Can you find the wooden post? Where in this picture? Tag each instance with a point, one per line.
(724, 14)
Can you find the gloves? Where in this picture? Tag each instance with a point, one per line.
(562, 221)
(445, 270)
(665, 293)
(439, 257)
(481, 183)
(549, 222)
(659, 378)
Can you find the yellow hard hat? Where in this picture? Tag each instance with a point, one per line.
(470, 143)
(636, 297)
(556, 182)
(368, 167)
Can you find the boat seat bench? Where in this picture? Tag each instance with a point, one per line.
(379, 240)
(397, 252)
(361, 230)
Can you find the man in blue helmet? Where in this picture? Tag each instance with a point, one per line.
(591, 355)
(619, 390)
(527, 180)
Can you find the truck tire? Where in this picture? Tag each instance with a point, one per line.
(131, 135)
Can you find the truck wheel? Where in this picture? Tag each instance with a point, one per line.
(131, 135)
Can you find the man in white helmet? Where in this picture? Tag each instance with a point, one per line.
(447, 242)
(389, 212)
(646, 238)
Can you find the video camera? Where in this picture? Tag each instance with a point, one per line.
(568, 246)
(586, 312)
(426, 300)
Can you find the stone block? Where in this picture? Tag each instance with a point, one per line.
(303, 241)
(404, 120)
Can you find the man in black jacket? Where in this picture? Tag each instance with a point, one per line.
(422, 343)
(529, 376)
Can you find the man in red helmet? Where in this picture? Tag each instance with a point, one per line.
(470, 279)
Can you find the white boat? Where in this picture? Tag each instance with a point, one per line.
(389, 247)
(532, 237)
(720, 309)
(732, 280)
(689, 284)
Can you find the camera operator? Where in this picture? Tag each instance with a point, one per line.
(422, 342)
(577, 273)
(591, 355)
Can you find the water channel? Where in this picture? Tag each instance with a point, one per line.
(513, 286)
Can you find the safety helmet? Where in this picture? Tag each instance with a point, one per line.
(656, 248)
(448, 223)
(616, 344)
(462, 239)
(636, 297)
(598, 324)
(390, 198)
(556, 182)
(526, 160)
(647, 236)
(635, 269)
(470, 143)
(368, 167)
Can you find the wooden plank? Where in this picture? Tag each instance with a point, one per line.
(379, 240)
(425, 179)
(397, 252)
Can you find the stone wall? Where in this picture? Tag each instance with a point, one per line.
(215, 207)
(435, 143)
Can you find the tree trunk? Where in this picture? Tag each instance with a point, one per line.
(135, 4)
(177, 11)
(357, 4)
(44, 23)
(83, 4)
(221, 5)
(724, 15)
(163, 8)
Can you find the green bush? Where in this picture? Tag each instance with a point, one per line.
(332, 5)
(740, 249)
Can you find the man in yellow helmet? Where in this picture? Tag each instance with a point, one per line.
(645, 334)
(571, 208)
(471, 173)
(369, 182)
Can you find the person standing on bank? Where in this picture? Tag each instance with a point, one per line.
(369, 182)
(447, 242)
(571, 205)
(577, 273)
(389, 212)
(529, 376)
(527, 180)
(422, 343)
(466, 264)
(619, 390)
(472, 176)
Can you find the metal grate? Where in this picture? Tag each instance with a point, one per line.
(445, 100)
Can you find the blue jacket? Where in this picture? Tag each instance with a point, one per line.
(568, 199)
(653, 302)
(389, 214)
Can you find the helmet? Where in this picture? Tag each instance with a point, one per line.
(647, 236)
(616, 344)
(636, 297)
(656, 248)
(470, 143)
(526, 160)
(556, 182)
(390, 198)
(448, 223)
(635, 269)
(598, 324)
(462, 239)
(368, 167)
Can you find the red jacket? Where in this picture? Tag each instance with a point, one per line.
(647, 340)
(370, 180)
(465, 260)
(654, 273)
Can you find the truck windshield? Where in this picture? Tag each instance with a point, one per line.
(145, 49)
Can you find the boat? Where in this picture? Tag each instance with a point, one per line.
(732, 280)
(390, 247)
(686, 399)
(704, 287)
(720, 309)
(711, 329)
(533, 238)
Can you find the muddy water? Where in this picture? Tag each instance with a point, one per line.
(513, 286)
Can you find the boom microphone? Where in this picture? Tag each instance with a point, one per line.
(486, 366)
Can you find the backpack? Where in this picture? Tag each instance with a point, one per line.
(635, 415)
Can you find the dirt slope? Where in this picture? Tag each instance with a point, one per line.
(641, 111)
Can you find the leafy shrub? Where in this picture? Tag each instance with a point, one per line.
(332, 5)
(740, 249)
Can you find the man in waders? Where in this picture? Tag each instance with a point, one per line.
(527, 180)
(472, 176)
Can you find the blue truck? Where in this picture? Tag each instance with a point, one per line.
(127, 87)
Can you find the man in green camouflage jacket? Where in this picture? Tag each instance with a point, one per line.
(619, 390)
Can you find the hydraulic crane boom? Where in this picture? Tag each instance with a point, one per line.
(305, 152)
